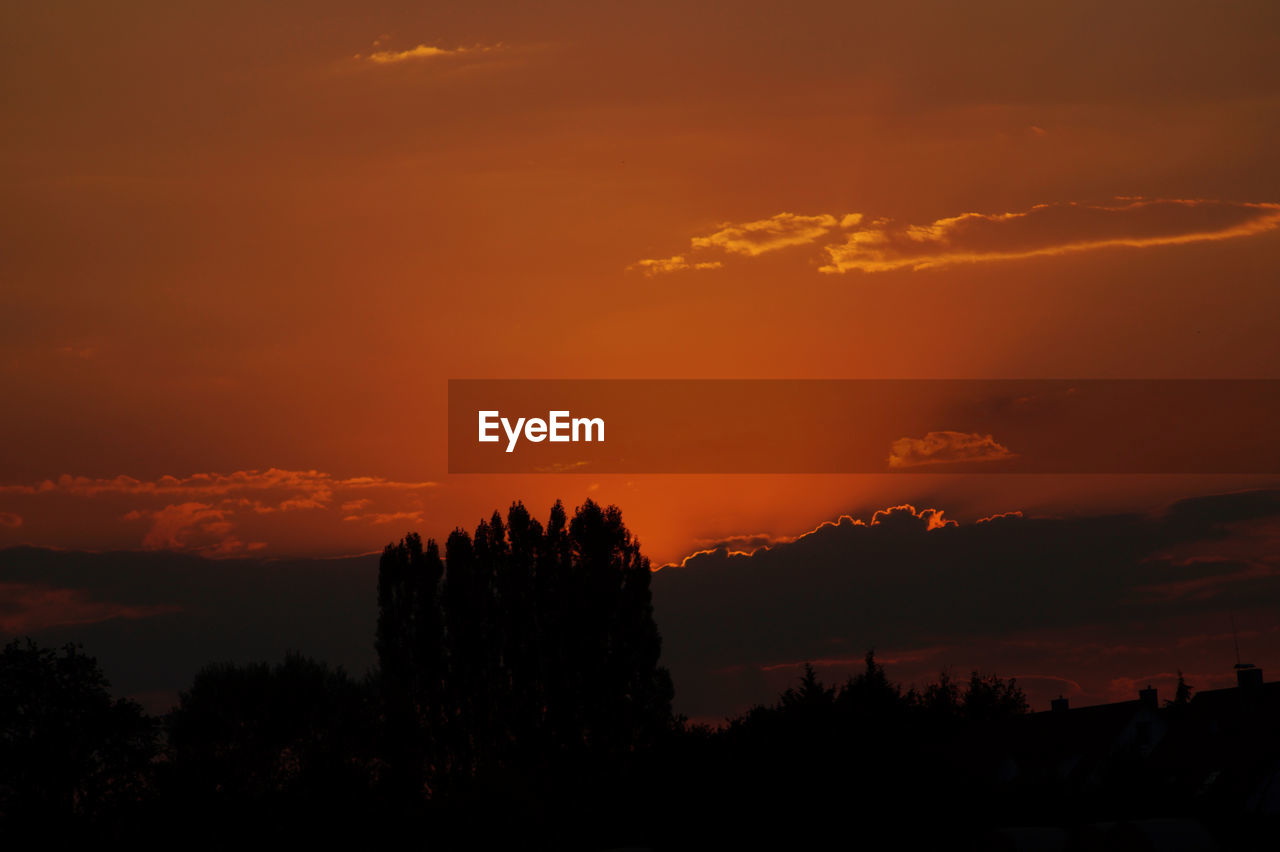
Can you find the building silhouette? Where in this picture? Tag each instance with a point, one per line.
(1202, 773)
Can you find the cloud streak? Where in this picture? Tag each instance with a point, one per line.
(665, 265)
(869, 244)
(386, 517)
(423, 51)
(1045, 230)
(779, 231)
(750, 239)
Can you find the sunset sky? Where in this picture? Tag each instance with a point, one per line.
(245, 246)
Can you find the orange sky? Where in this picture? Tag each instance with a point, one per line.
(246, 245)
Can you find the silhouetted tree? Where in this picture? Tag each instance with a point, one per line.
(260, 736)
(611, 635)
(70, 754)
(866, 748)
(870, 693)
(410, 650)
(992, 699)
(811, 692)
(939, 700)
(1181, 694)
(527, 646)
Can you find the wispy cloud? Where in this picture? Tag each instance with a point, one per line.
(663, 265)
(782, 230)
(750, 239)
(386, 517)
(1047, 229)
(867, 244)
(946, 447)
(424, 51)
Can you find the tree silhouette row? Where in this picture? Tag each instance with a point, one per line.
(520, 645)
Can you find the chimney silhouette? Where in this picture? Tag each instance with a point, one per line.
(1148, 697)
(1059, 705)
(1248, 676)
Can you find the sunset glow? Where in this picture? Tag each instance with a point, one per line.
(245, 251)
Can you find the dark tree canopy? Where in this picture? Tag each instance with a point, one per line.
(256, 731)
(68, 750)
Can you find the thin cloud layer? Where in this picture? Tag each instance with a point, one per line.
(206, 512)
(779, 231)
(676, 263)
(750, 239)
(945, 447)
(1046, 229)
(883, 245)
(386, 517)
